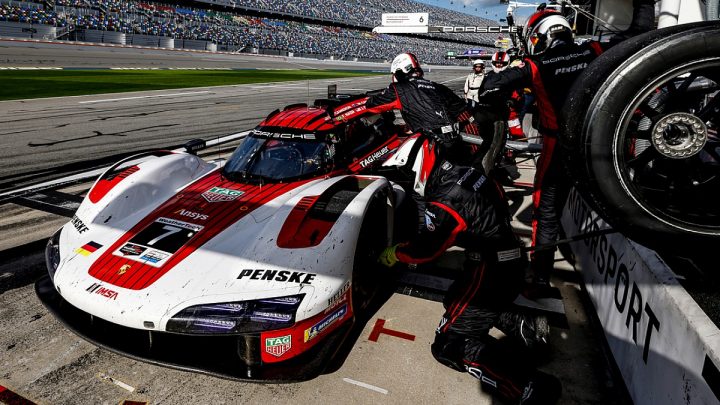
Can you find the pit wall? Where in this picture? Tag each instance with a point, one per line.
(664, 345)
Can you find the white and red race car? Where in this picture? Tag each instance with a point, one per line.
(251, 269)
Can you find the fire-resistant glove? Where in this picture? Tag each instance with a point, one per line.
(388, 257)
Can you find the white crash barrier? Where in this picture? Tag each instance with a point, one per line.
(666, 347)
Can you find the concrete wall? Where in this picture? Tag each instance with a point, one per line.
(195, 44)
(664, 345)
(107, 37)
(25, 30)
(150, 40)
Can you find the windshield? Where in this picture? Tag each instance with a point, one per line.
(272, 159)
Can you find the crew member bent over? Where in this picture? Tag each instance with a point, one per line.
(466, 208)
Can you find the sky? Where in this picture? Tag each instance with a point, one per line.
(490, 9)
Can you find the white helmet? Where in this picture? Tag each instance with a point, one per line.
(479, 62)
(500, 61)
(405, 65)
(543, 28)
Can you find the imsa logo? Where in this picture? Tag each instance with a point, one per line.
(96, 288)
(277, 346)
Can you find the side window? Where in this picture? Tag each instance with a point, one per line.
(365, 133)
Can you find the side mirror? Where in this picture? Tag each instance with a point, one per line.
(194, 145)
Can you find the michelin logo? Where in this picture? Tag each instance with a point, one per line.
(325, 323)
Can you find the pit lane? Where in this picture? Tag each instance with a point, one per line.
(45, 363)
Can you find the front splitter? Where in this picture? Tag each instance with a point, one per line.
(219, 356)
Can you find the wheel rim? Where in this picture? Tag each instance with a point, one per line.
(667, 149)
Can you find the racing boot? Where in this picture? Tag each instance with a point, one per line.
(530, 330)
(503, 370)
(542, 389)
(541, 265)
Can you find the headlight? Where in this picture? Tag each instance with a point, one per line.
(52, 254)
(237, 317)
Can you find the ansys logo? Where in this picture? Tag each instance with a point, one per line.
(277, 346)
(218, 194)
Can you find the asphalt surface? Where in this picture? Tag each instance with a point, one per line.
(43, 138)
(43, 362)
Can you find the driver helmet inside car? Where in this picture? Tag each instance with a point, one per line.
(500, 61)
(404, 66)
(545, 27)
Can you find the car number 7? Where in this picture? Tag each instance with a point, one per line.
(170, 230)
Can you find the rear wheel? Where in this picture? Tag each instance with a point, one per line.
(647, 151)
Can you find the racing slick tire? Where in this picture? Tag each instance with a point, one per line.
(644, 149)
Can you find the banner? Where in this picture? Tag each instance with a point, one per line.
(405, 19)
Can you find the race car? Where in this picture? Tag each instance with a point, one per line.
(254, 269)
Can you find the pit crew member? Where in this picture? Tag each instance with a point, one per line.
(554, 63)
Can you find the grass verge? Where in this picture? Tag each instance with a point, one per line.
(22, 84)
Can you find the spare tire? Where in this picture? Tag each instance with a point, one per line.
(644, 146)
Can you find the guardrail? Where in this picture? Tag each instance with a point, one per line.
(90, 174)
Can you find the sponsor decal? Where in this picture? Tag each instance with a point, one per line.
(79, 225)
(351, 106)
(479, 30)
(570, 69)
(375, 156)
(344, 116)
(88, 248)
(282, 135)
(465, 176)
(123, 269)
(192, 215)
(479, 183)
(319, 327)
(219, 194)
(614, 269)
(96, 288)
(507, 255)
(278, 275)
(443, 322)
(477, 373)
(131, 249)
(339, 296)
(181, 224)
(158, 241)
(154, 256)
(447, 165)
(429, 223)
(566, 57)
(277, 346)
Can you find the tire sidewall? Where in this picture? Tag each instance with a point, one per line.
(601, 142)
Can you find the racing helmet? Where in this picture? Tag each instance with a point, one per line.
(543, 28)
(405, 65)
(500, 61)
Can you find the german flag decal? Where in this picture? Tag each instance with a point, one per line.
(88, 248)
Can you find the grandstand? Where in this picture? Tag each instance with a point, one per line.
(320, 28)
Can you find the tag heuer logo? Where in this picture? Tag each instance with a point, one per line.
(277, 346)
(217, 194)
